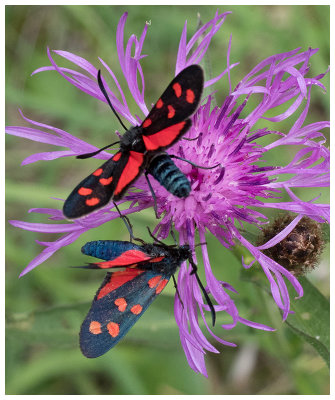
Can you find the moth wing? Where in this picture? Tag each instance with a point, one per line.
(119, 303)
(109, 181)
(95, 190)
(169, 118)
(117, 253)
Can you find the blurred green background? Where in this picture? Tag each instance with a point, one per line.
(46, 307)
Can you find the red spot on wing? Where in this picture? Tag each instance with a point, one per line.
(177, 89)
(118, 279)
(157, 259)
(146, 123)
(172, 112)
(128, 258)
(84, 191)
(154, 281)
(161, 285)
(113, 328)
(117, 156)
(95, 327)
(190, 96)
(106, 181)
(98, 172)
(164, 137)
(130, 171)
(136, 309)
(92, 201)
(159, 103)
(121, 303)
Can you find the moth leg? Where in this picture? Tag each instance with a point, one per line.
(128, 224)
(190, 139)
(152, 193)
(194, 165)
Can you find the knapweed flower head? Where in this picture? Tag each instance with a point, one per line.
(223, 201)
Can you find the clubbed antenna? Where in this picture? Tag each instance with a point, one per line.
(208, 300)
(103, 90)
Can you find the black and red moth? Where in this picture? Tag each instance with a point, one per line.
(124, 295)
(142, 148)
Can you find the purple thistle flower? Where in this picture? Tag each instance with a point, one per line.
(224, 200)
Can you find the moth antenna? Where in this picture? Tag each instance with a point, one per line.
(87, 266)
(94, 153)
(155, 239)
(208, 300)
(159, 242)
(103, 90)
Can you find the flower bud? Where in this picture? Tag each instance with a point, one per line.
(300, 251)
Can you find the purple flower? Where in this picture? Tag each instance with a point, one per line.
(223, 200)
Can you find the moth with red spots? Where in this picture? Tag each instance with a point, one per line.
(142, 148)
(125, 294)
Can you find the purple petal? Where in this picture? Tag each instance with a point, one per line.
(50, 250)
(255, 325)
(281, 235)
(181, 55)
(81, 62)
(46, 228)
(47, 156)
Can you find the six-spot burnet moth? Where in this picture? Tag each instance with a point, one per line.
(142, 148)
(125, 294)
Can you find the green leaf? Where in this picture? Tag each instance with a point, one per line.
(311, 318)
(326, 232)
(312, 312)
